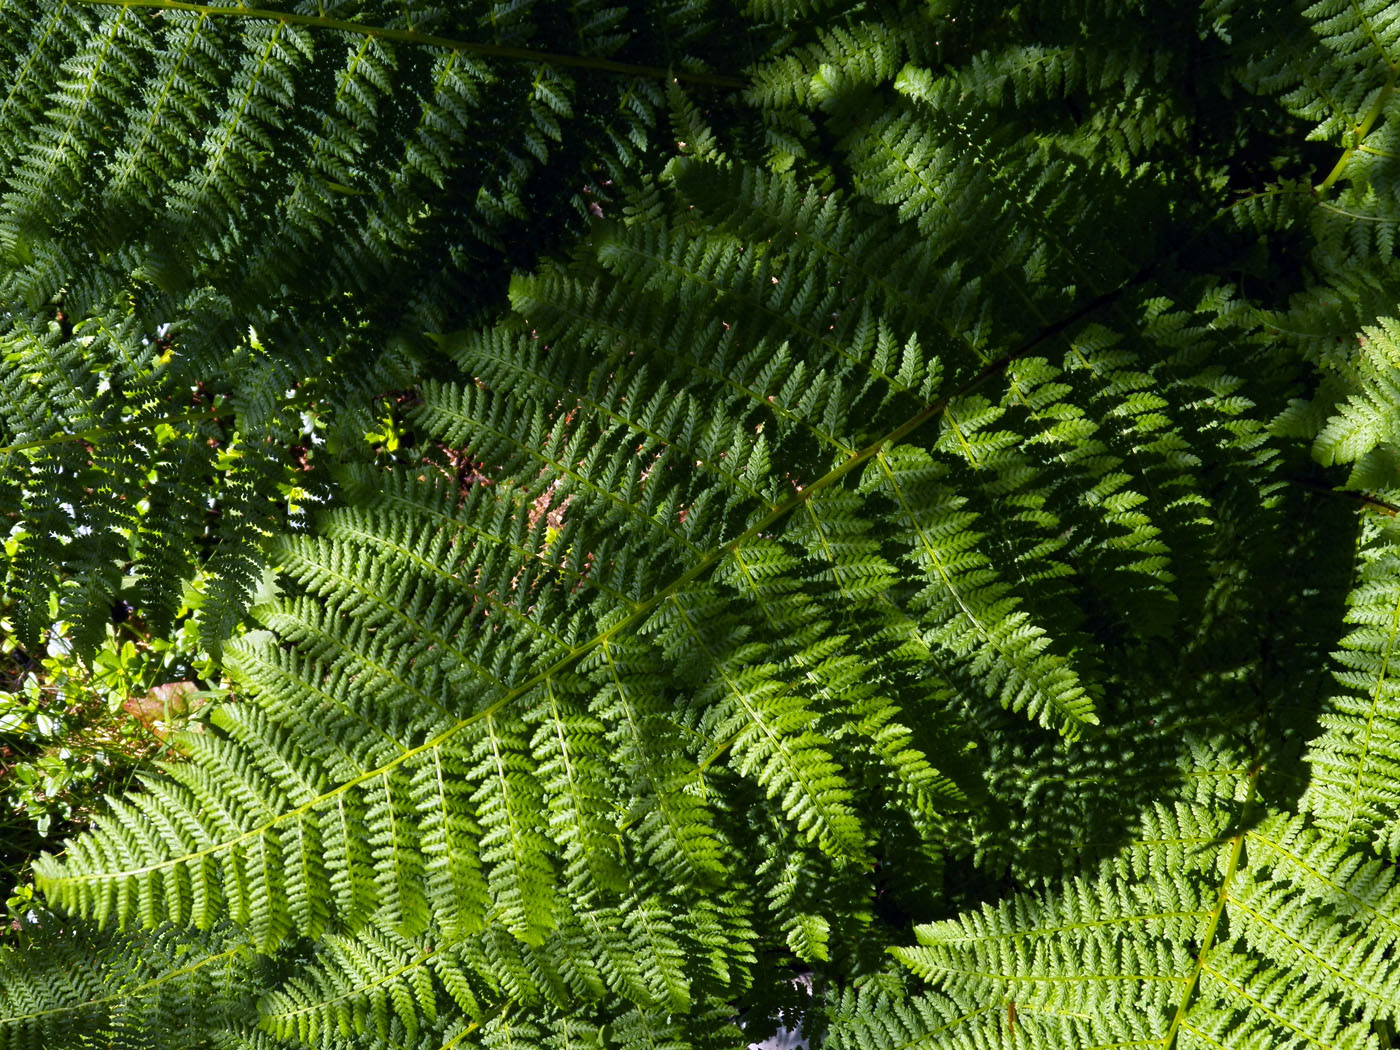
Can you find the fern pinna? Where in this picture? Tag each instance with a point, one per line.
(221, 225)
(898, 543)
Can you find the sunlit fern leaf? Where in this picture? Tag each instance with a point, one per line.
(1370, 385)
(570, 746)
(1354, 759)
(966, 609)
(1196, 934)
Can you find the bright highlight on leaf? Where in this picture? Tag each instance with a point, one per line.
(716, 517)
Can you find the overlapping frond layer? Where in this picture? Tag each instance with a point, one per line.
(1199, 933)
(382, 108)
(627, 606)
(884, 535)
(127, 486)
(1354, 757)
(181, 181)
(533, 665)
(126, 992)
(596, 958)
(1351, 422)
(49, 1003)
(1334, 67)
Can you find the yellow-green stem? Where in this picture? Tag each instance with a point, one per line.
(1360, 132)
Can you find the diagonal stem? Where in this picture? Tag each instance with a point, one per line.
(637, 614)
(411, 36)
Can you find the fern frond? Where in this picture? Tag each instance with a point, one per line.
(1197, 932)
(967, 611)
(1366, 418)
(1354, 756)
(634, 495)
(206, 170)
(73, 986)
(869, 520)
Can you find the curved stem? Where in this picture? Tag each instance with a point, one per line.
(1363, 129)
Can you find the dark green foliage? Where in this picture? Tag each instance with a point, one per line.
(896, 534)
(76, 988)
(267, 211)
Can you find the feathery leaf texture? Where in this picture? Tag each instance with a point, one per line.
(193, 196)
(1191, 936)
(862, 476)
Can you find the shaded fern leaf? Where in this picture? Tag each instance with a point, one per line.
(186, 178)
(127, 992)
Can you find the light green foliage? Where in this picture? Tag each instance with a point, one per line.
(71, 733)
(922, 522)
